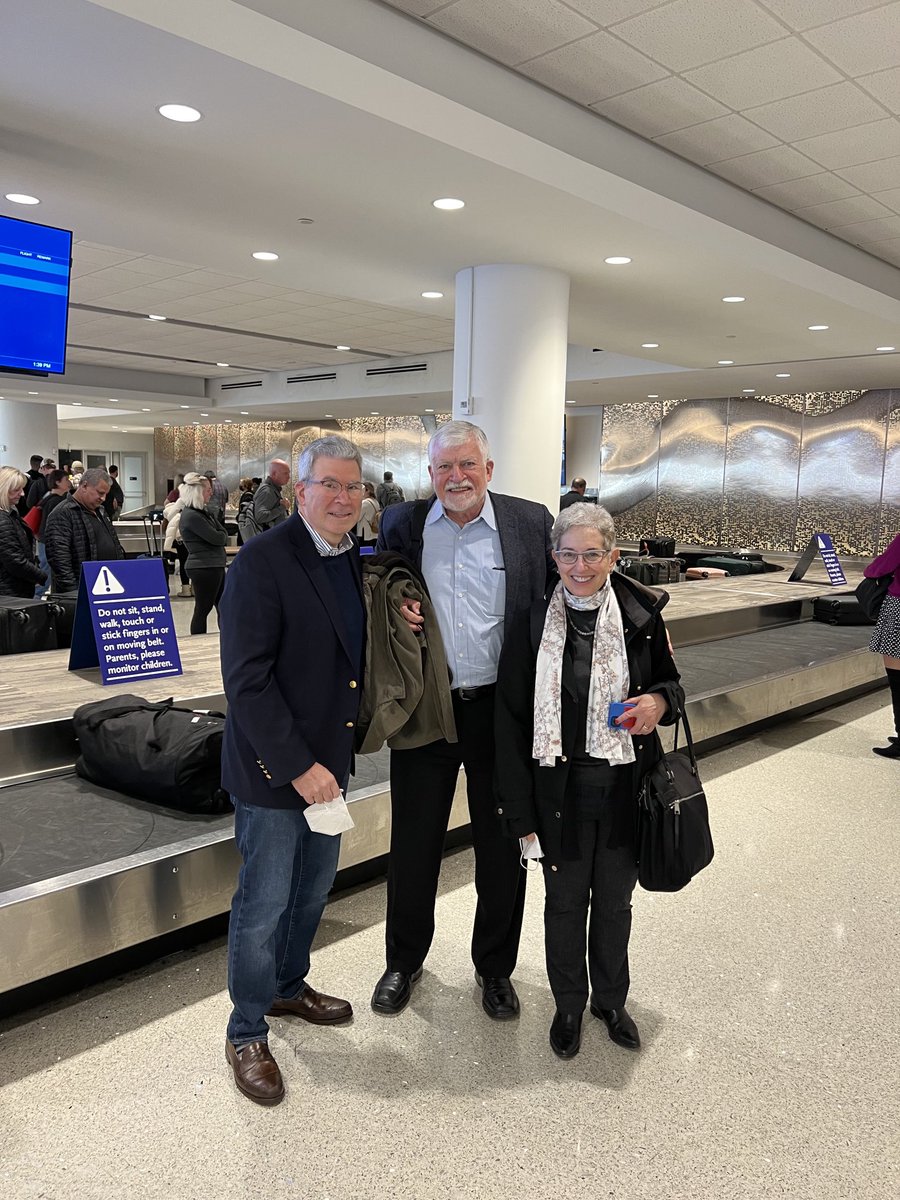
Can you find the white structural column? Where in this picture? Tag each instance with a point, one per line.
(26, 428)
(509, 365)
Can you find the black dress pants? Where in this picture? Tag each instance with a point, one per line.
(423, 782)
(207, 583)
(587, 915)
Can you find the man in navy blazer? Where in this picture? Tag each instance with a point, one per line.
(485, 557)
(292, 626)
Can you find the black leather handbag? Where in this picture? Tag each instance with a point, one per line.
(673, 835)
(871, 593)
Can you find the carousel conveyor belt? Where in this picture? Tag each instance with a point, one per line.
(85, 871)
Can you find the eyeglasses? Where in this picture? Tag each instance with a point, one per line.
(590, 557)
(332, 485)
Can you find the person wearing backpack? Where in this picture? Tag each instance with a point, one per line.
(58, 488)
(370, 513)
(389, 492)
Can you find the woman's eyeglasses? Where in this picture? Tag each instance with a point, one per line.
(590, 557)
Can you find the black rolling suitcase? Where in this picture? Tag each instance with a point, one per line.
(654, 572)
(64, 604)
(840, 610)
(732, 564)
(26, 626)
(657, 547)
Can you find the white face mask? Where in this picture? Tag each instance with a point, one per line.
(530, 853)
(330, 818)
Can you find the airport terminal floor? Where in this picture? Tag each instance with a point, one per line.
(766, 995)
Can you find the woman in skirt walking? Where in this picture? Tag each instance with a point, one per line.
(885, 638)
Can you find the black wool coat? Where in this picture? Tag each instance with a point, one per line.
(532, 799)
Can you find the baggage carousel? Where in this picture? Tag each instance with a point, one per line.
(86, 871)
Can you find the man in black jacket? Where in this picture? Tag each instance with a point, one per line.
(78, 531)
(115, 497)
(484, 557)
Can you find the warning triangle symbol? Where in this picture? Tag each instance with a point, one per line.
(821, 543)
(106, 584)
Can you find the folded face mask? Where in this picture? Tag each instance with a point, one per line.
(331, 818)
(530, 853)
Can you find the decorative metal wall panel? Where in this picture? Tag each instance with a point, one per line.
(301, 436)
(691, 470)
(163, 461)
(889, 524)
(185, 450)
(253, 450)
(205, 447)
(367, 433)
(629, 463)
(228, 459)
(841, 469)
(403, 452)
(279, 439)
(762, 463)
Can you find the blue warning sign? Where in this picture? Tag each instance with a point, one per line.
(123, 621)
(828, 554)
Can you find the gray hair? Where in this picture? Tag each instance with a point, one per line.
(457, 433)
(332, 446)
(591, 516)
(94, 475)
(192, 490)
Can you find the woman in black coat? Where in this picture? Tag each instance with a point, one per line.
(19, 573)
(568, 777)
(202, 530)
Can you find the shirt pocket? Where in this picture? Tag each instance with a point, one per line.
(496, 591)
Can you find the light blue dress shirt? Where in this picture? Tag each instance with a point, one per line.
(464, 570)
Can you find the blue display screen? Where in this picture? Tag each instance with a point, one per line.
(35, 262)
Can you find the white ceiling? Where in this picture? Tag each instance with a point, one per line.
(357, 117)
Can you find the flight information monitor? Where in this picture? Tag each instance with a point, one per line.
(35, 264)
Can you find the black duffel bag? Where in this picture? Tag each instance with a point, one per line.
(157, 752)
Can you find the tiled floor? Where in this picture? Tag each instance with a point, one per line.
(766, 994)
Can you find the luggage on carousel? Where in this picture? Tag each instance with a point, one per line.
(657, 547)
(156, 752)
(654, 572)
(732, 564)
(26, 626)
(840, 610)
(705, 573)
(64, 609)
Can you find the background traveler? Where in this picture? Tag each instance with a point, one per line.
(596, 638)
(219, 497)
(270, 508)
(885, 638)
(173, 547)
(59, 488)
(293, 646)
(202, 530)
(388, 492)
(38, 488)
(115, 497)
(19, 573)
(575, 494)
(367, 529)
(78, 531)
(245, 505)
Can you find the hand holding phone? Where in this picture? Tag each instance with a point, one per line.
(616, 710)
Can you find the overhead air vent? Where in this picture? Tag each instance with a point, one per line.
(235, 387)
(410, 369)
(321, 378)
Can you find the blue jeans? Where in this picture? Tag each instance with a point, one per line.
(45, 566)
(283, 884)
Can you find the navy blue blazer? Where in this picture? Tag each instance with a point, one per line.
(524, 528)
(291, 683)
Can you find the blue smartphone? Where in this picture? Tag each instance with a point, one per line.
(616, 710)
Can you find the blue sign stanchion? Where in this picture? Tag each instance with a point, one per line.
(123, 621)
(821, 544)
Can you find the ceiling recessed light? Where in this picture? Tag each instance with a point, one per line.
(432, 295)
(733, 299)
(449, 204)
(145, 410)
(653, 396)
(617, 260)
(21, 198)
(331, 415)
(228, 421)
(649, 345)
(204, 414)
(726, 362)
(179, 112)
(223, 364)
(783, 375)
(34, 393)
(167, 425)
(184, 406)
(816, 328)
(155, 317)
(244, 414)
(881, 349)
(265, 255)
(113, 400)
(195, 422)
(570, 402)
(342, 347)
(375, 414)
(749, 390)
(75, 403)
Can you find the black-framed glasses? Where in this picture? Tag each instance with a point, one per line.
(590, 557)
(332, 485)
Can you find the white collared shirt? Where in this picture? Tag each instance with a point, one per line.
(325, 549)
(464, 570)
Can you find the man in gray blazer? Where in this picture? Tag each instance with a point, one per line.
(484, 557)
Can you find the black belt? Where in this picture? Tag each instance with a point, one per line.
(474, 693)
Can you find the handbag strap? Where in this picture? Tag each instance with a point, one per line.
(681, 718)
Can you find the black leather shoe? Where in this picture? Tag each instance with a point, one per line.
(622, 1029)
(393, 991)
(498, 998)
(565, 1034)
(891, 751)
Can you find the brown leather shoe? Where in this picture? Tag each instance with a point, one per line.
(312, 1006)
(256, 1072)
